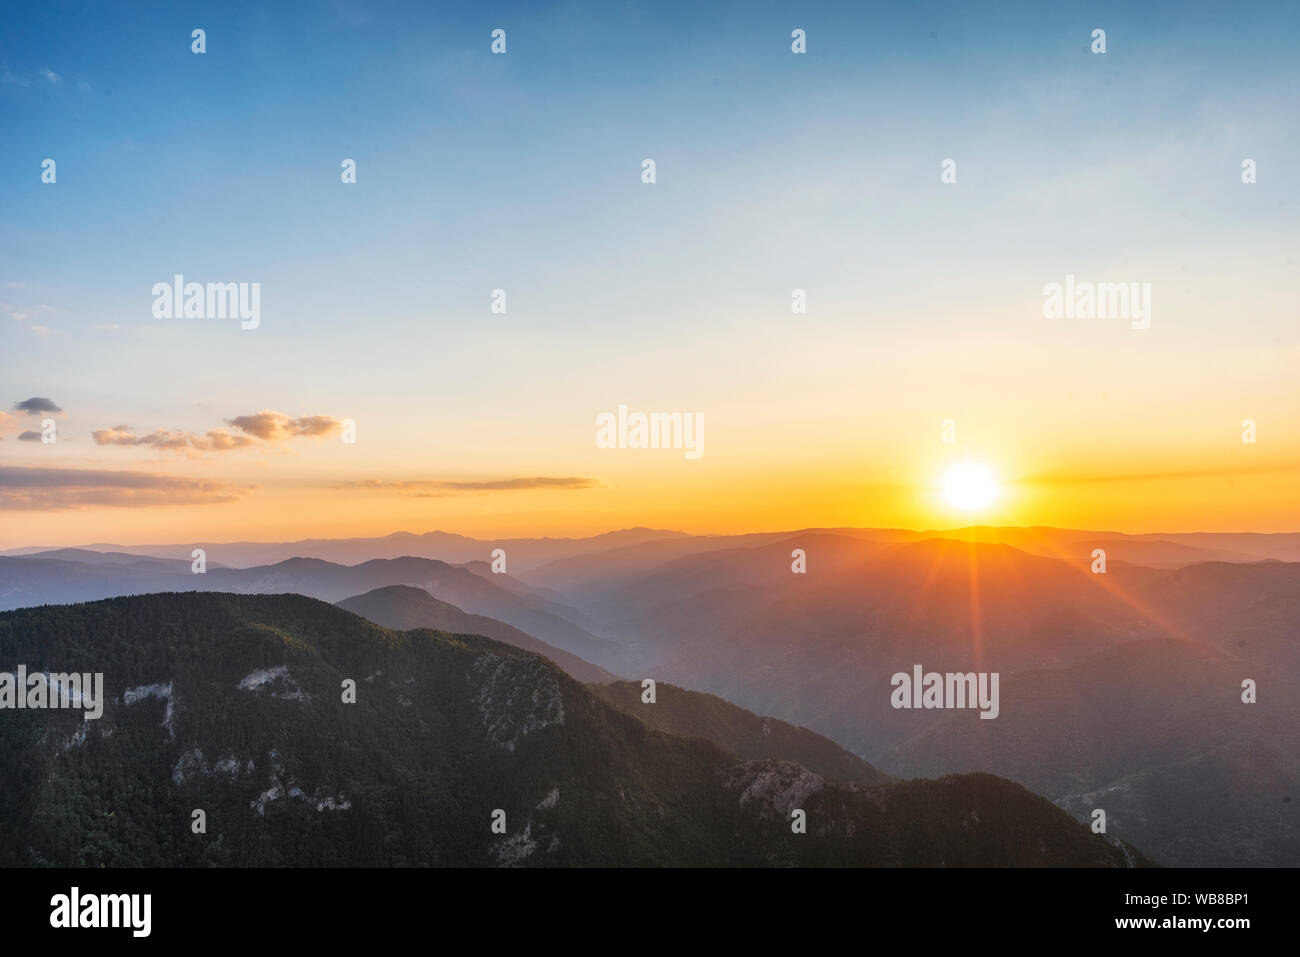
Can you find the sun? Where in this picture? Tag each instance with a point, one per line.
(969, 486)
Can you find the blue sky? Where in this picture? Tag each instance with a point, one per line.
(521, 171)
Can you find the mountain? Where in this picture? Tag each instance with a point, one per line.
(726, 616)
(402, 608)
(748, 736)
(27, 581)
(230, 704)
(573, 564)
(1169, 550)
(556, 601)
(1125, 684)
(759, 566)
(1156, 734)
(676, 710)
(114, 558)
(595, 574)
(459, 586)
(861, 605)
(445, 546)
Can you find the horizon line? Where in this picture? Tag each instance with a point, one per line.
(98, 546)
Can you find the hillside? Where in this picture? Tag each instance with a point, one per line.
(231, 704)
(403, 607)
(26, 581)
(1155, 733)
(748, 736)
(1118, 690)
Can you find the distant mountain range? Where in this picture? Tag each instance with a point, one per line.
(445, 546)
(1120, 691)
(33, 580)
(646, 547)
(1090, 708)
(231, 705)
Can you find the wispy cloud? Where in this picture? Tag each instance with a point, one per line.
(437, 488)
(44, 489)
(17, 312)
(50, 76)
(216, 440)
(26, 315)
(1053, 478)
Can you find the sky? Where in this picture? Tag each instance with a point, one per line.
(522, 171)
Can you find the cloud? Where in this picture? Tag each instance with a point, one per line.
(219, 440)
(50, 489)
(435, 488)
(1055, 478)
(27, 315)
(158, 439)
(216, 440)
(50, 76)
(276, 426)
(504, 485)
(267, 426)
(36, 405)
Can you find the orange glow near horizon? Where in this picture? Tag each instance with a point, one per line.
(710, 502)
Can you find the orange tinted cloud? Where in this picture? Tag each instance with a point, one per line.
(267, 426)
(44, 488)
(276, 426)
(429, 488)
(216, 440)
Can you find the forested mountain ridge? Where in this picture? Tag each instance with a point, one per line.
(403, 607)
(233, 705)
